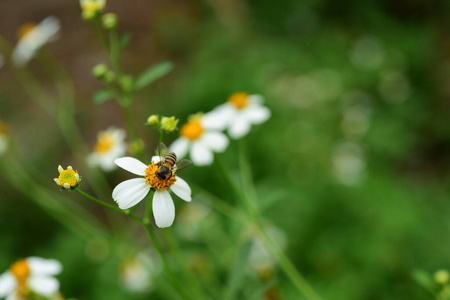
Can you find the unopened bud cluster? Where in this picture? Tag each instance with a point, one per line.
(166, 124)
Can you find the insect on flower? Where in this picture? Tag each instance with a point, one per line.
(160, 175)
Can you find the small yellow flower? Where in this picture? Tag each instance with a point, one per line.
(68, 179)
(153, 120)
(91, 8)
(169, 124)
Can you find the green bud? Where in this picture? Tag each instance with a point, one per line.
(136, 147)
(99, 71)
(109, 21)
(169, 124)
(109, 76)
(153, 120)
(442, 277)
(126, 83)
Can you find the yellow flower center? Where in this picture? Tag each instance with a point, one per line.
(68, 176)
(20, 270)
(25, 29)
(239, 100)
(105, 142)
(192, 130)
(154, 181)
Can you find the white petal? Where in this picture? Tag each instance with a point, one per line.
(130, 192)
(215, 140)
(201, 155)
(218, 118)
(12, 297)
(239, 128)
(256, 99)
(7, 284)
(182, 189)
(156, 159)
(257, 114)
(132, 165)
(180, 146)
(42, 266)
(163, 209)
(45, 286)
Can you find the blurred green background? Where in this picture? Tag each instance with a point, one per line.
(353, 165)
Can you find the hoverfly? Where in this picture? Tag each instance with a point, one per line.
(167, 164)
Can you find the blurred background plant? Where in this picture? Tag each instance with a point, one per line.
(352, 167)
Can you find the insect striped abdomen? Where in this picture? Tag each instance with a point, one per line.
(170, 159)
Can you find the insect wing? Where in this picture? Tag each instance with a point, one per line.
(184, 163)
(162, 152)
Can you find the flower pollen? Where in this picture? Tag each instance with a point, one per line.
(25, 29)
(154, 181)
(192, 130)
(105, 142)
(239, 100)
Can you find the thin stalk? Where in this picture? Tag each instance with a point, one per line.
(252, 199)
(126, 212)
(161, 254)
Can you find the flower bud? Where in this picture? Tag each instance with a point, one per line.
(126, 83)
(91, 8)
(442, 277)
(109, 21)
(153, 120)
(136, 146)
(99, 71)
(109, 76)
(169, 124)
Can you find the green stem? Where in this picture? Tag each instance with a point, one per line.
(126, 212)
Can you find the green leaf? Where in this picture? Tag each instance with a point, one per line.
(103, 95)
(424, 279)
(124, 40)
(237, 274)
(153, 73)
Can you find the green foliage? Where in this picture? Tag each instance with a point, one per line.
(152, 74)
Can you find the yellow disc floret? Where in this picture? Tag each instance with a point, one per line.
(25, 29)
(155, 182)
(239, 100)
(193, 129)
(105, 141)
(21, 271)
(68, 179)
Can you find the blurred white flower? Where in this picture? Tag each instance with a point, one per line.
(348, 163)
(394, 87)
(260, 260)
(238, 114)
(190, 219)
(3, 138)
(137, 272)
(199, 139)
(110, 145)
(367, 53)
(32, 37)
(33, 274)
(130, 192)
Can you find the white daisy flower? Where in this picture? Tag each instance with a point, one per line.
(137, 273)
(110, 145)
(200, 138)
(32, 37)
(239, 113)
(33, 274)
(3, 138)
(130, 192)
